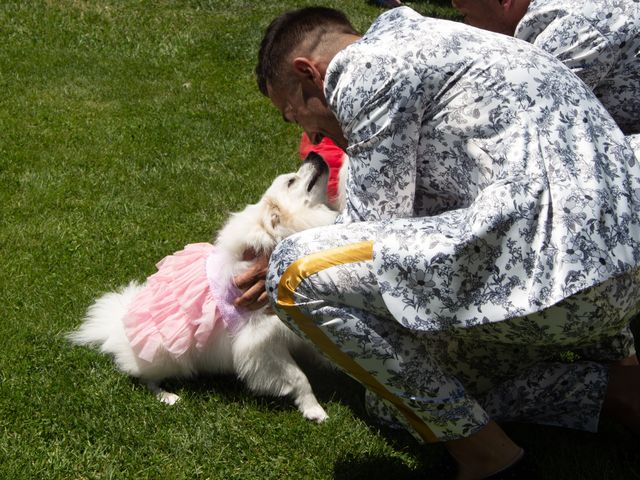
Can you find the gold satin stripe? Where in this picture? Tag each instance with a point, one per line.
(314, 263)
(307, 266)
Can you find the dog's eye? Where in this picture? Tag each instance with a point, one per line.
(291, 182)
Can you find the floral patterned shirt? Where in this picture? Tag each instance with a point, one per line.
(501, 184)
(599, 41)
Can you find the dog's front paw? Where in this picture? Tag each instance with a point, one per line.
(168, 398)
(316, 414)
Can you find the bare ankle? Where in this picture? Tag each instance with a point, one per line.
(627, 361)
(484, 453)
(622, 400)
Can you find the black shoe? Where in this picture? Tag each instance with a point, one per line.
(521, 470)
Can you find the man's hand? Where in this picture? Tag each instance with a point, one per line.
(253, 282)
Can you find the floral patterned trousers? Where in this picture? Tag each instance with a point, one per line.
(447, 383)
(634, 141)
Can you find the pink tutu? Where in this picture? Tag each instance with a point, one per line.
(180, 305)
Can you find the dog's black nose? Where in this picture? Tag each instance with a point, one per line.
(318, 162)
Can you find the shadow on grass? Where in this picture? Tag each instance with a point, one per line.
(329, 385)
(370, 468)
(550, 452)
(441, 3)
(553, 452)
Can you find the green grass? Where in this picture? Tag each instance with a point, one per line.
(128, 129)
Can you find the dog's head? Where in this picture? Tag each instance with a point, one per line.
(294, 202)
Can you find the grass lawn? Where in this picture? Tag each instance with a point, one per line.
(128, 129)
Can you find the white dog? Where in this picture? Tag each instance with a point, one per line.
(182, 320)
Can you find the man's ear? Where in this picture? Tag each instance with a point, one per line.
(506, 5)
(307, 69)
(512, 12)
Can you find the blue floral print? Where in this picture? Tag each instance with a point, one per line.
(600, 42)
(503, 203)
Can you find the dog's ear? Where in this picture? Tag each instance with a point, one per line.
(272, 217)
(275, 217)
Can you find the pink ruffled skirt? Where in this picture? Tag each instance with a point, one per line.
(176, 309)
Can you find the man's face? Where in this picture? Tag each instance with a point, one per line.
(305, 105)
(485, 14)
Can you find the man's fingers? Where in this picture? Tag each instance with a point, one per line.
(249, 254)
(246, 279)
(254, 297)
(255, 273)
(261, 301)
(263, 298)
(253, 283)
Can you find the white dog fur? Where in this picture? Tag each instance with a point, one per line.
(260, 352)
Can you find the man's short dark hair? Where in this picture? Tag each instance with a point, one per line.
(287, 31)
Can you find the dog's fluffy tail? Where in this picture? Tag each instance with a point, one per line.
(103, 327)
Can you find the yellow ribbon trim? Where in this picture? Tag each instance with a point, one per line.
(310, 265)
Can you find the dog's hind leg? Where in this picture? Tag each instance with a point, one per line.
(162, 395)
